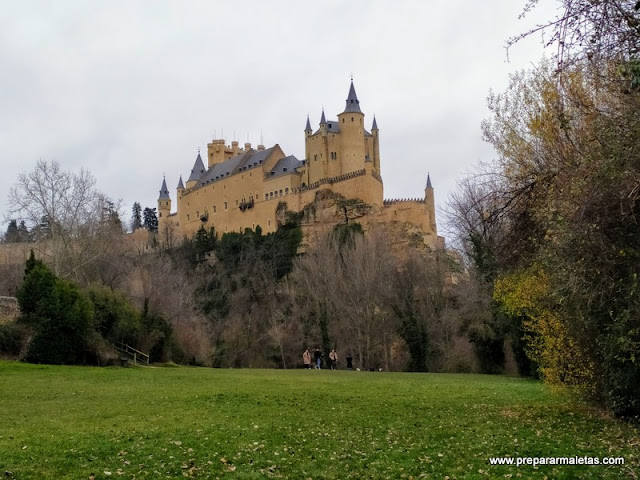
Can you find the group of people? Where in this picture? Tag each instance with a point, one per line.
(317, 359)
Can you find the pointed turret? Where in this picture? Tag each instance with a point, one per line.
(323, 120)
(429, 200)
(196, 172)
(353, 104)
(180, 184)
(164, 191)
(164, 201)
(374, 126)
(308, 127)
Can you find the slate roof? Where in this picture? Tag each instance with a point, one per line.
(353, 104)
(429, 181)
(180, 184)
(197, 170)
(308, 127)
(375, 124)
(322, 119)
(285, 166)
(245, 161)
(164, 191)
(333, 126)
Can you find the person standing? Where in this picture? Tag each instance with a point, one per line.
(349, 361)
(306, 359)
(318, 358)
(333, 357)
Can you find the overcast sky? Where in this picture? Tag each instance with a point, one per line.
(131, 89)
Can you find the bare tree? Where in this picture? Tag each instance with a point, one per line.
(62, 208)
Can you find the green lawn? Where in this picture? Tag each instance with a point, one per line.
(69, 422)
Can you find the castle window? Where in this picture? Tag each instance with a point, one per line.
(225, 205)
(197, 213)
(284, 169)
(236, 203)
(266, 196)
(343, 120)
(352, 117)
(214, 209)
(270, 194)
(187, 217)
(315, 157)
(250, 174)
(280, 192)
(160, 214)
(286, 191)
(269, 222)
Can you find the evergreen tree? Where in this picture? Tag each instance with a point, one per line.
(136, 217)
(23, 232)
(150, 219)
(59, 313)
(12, 235)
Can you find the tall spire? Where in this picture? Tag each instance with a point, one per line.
(353, 104)
(307, 128)
(375, 124)
(164, 191)
(197, 170)
(429, 181)
(322, 119)
(180, 184)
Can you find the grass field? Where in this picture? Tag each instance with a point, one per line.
(70, 422)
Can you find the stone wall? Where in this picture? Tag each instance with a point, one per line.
(9, 310)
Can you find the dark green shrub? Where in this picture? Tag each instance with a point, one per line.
(115, 317)
(11, 340)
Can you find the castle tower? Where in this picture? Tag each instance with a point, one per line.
(196, 171)
(351, 124)
(376, 145)
(164, 201)
(430, 202)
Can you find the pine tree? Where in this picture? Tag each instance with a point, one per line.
(12, 234)
(150, 219)
(136, 217)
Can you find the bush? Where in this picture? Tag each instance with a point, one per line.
(11, 340)
(115, 318)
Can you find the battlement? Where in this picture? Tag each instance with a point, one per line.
(331, 180)
(392, 201)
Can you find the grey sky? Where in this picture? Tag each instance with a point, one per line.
(132, 89)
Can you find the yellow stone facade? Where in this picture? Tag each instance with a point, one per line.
(241, 187)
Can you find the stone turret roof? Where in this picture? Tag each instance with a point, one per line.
(180, 184)
(322, 118)
(429, 181)
(353, 104)
(197, 170)
(375, 124)
(308, 127)
(164, 191)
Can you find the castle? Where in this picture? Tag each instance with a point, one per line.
(244, 188)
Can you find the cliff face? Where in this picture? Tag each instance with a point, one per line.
(406, 222)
